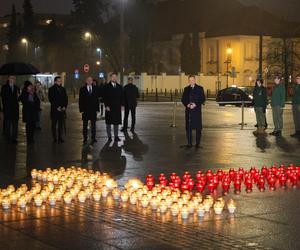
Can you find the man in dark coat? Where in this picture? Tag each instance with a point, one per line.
(113, 101)
(89, 106)
(193, 98)
(59, 101)
(10, 93)
(131, 94)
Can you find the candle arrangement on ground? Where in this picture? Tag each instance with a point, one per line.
(76, 185)
(232, 179)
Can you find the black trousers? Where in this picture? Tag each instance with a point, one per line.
(57, 127)
(85, 129)
(30, 127)
(189, 135)
(132, 110)
(10, 128)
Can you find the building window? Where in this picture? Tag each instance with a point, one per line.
(211, 55)
(248, 51)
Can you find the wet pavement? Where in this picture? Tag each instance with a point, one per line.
(263, 220)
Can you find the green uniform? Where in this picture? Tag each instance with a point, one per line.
(296, 108)
(278, 96)
(260, 100)
(260, 97)
(278, 103)
(296, 96)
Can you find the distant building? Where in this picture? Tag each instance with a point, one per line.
(42, 20)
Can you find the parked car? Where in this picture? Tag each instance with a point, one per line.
(235, 94)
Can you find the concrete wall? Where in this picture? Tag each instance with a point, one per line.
(177, 82)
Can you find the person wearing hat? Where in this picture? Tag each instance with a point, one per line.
(278, 103)
(260, 99)
(30, 111)
(296, 107)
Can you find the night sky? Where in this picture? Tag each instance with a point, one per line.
(40, 6)
(288, 9)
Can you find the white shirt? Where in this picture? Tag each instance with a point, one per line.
(89, 88)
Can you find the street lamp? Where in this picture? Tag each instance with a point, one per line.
(228, 61)
(88, 37)
(25, 42)
(99, 50)
(98, 63)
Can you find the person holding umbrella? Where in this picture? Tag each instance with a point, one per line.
(193, 98)
(59, 101)
(30, 111)
(9, 94)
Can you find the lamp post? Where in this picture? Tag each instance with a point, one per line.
(99, 50)
(88, 37)
(25, 42)
(122, 50)
(228, 61)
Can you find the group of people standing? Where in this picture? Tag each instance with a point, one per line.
(278, 98)
(112, 94)
(31, 97)
(114, 97)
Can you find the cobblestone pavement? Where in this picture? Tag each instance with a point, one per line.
(267, 220)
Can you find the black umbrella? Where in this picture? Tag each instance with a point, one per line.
(18, 69)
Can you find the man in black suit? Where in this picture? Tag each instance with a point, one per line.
(59, 101)
(131, 94)
(10, 93)
(89, 106)
(193, 98)
(113, 101)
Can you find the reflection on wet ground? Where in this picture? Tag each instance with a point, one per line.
(268, 219)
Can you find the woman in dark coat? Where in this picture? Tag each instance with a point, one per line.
(30, 111)
(193, 97)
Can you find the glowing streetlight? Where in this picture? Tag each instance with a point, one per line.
(99, 50)
(87, 35)
(98, 63)
(25, 42)
(229, 51)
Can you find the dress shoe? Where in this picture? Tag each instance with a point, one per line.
(117, 139)
(278, 133)
(197, 145)
(123, 130)
(273, 133)
(109, 138)
(296, 134)
(189, 146)
(61, 140)
(132, 129)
